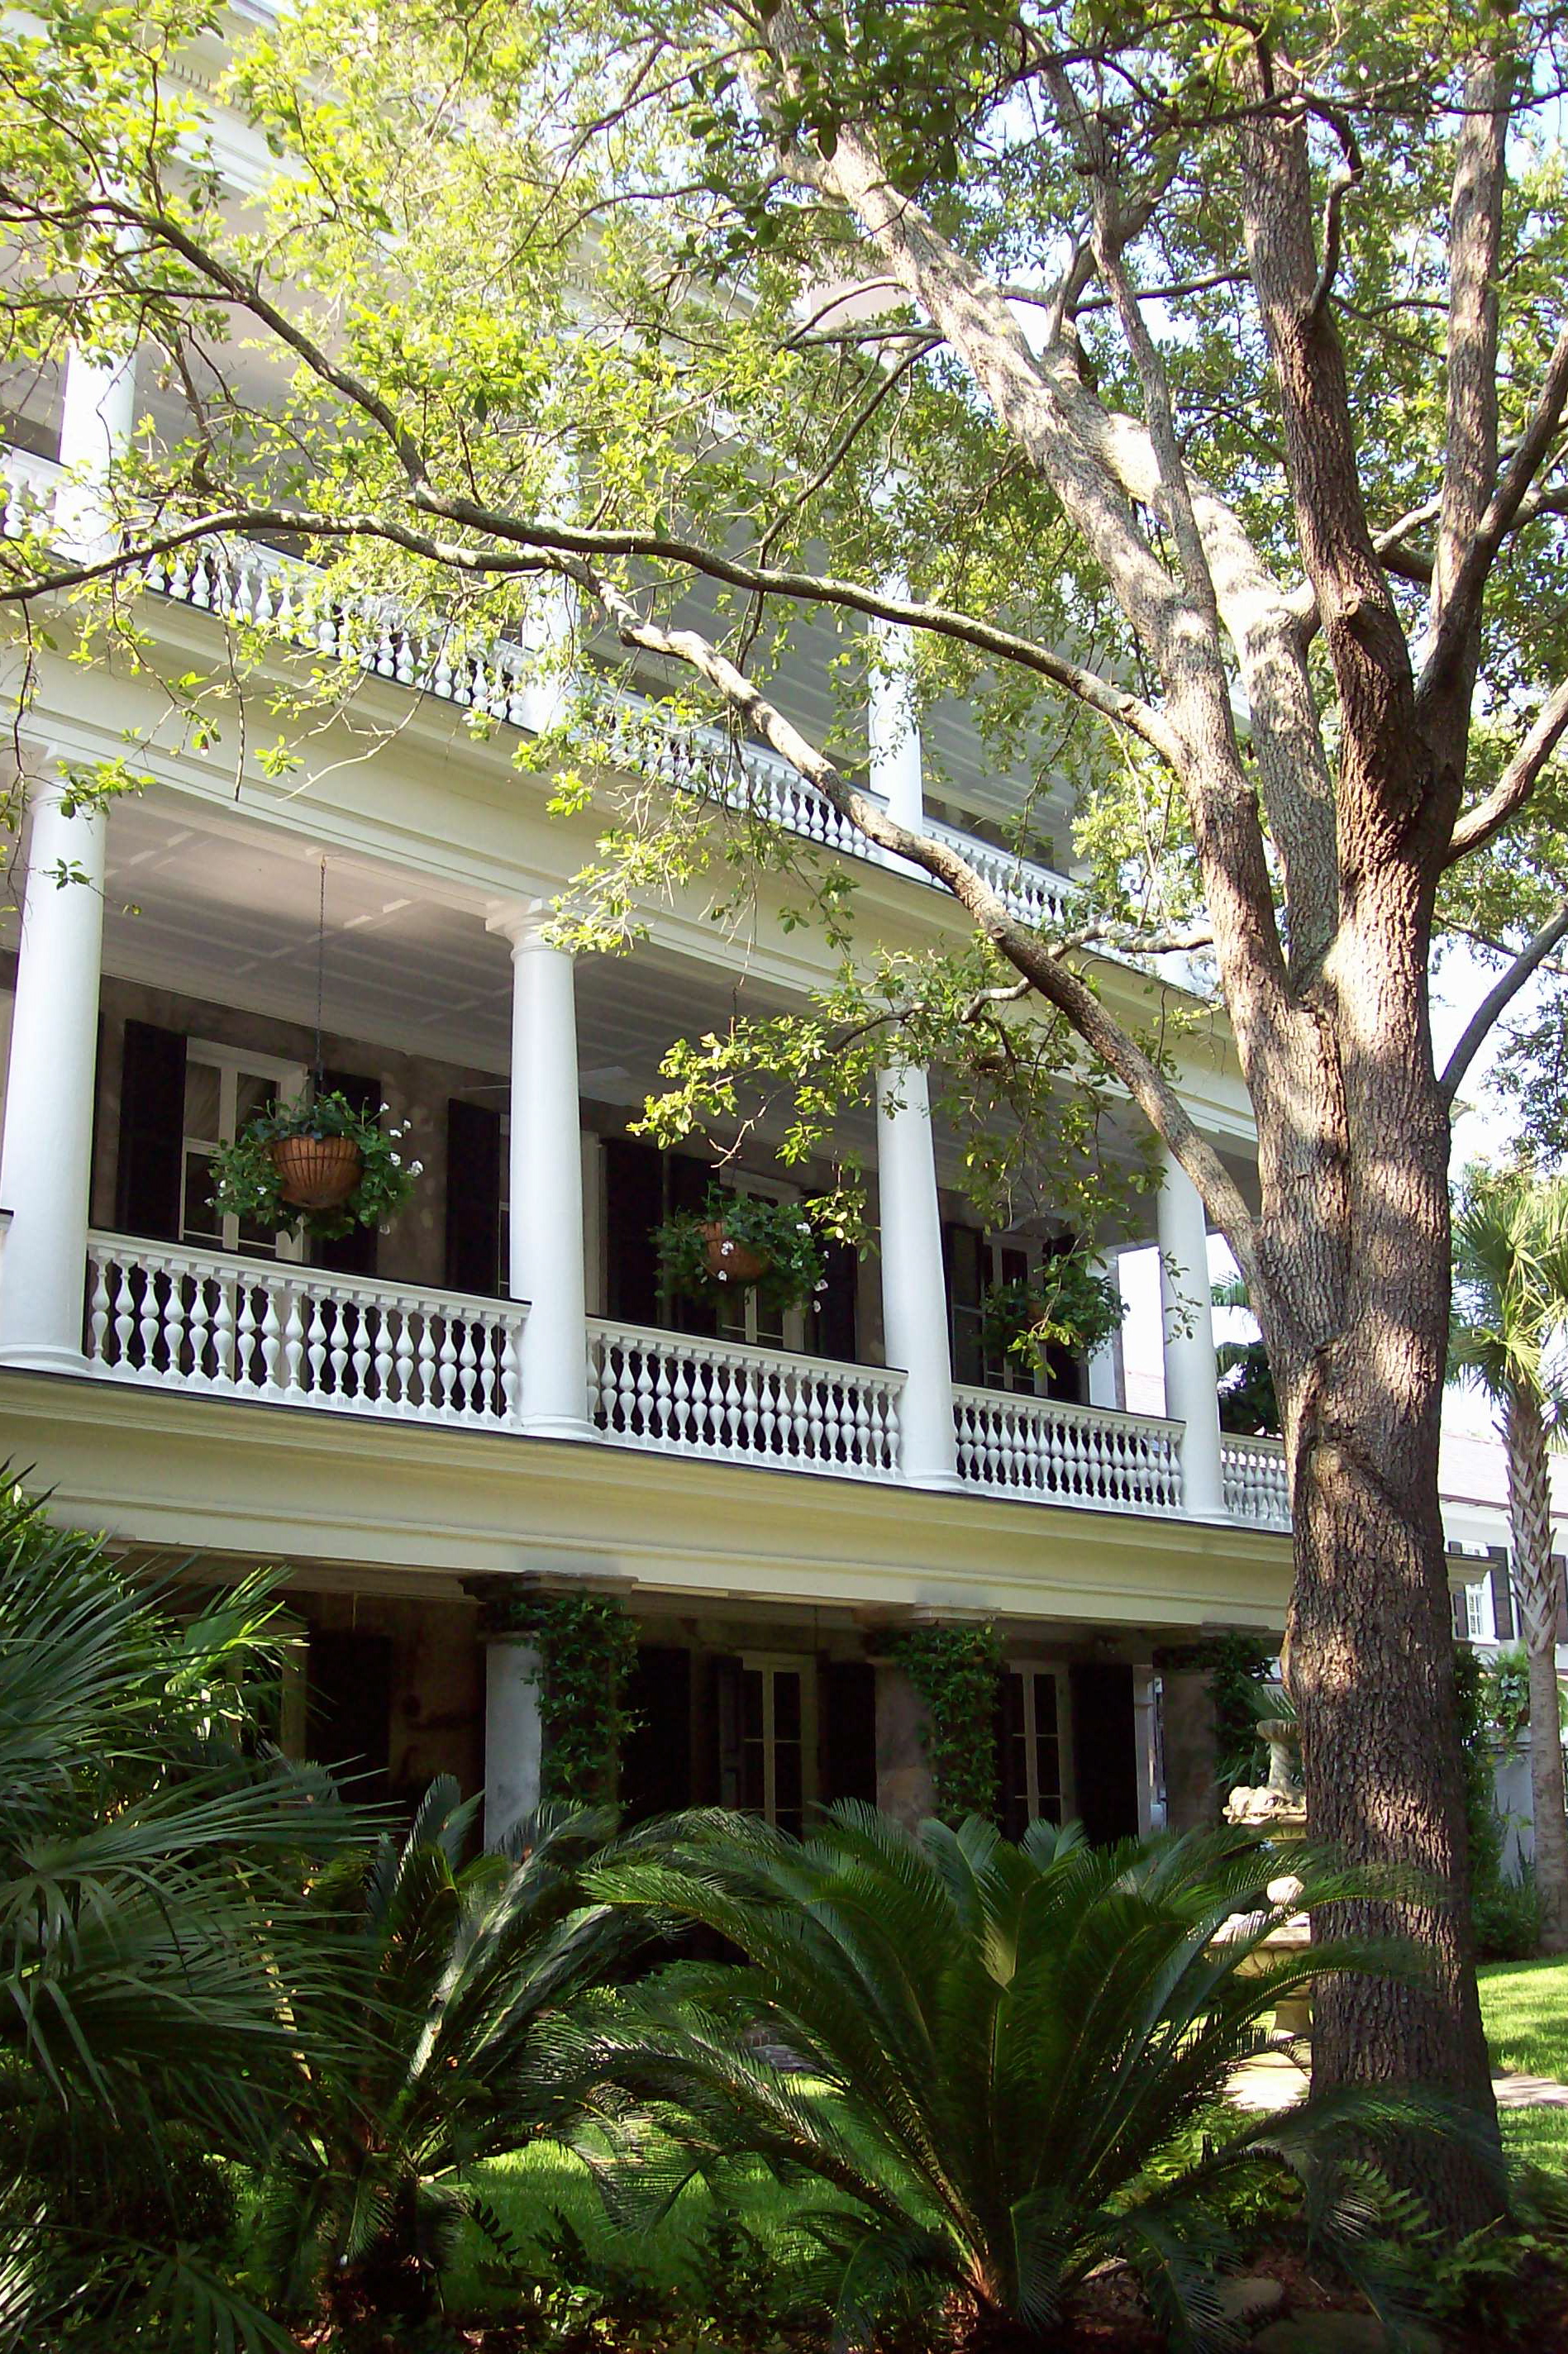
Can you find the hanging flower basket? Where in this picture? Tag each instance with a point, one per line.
(324, 1166)
(740, 1242)
(732, 1261)
(316, 1172)
(1069, 1304)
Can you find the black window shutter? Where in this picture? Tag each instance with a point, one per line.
(962, 1255)
(1105, 1760)
(834, 1325)
(656, 1770)
(354, 1253)
(846, 1692)
(473, 1198)
(150, 1175)
(1012, 1767)
(1502, 1594)
(633, 1209)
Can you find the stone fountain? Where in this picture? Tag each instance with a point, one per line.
(1277, 1811)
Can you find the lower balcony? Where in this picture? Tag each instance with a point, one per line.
(173, 1318)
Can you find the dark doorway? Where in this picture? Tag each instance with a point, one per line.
(656, 1769)
(1105, 1758)
(348, 1706)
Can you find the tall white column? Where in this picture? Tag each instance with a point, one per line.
(514, 1740)
(46, 1166)
(1108, 1380)
(914, 1292)
(893, 731)
(97, 418)
(1191, 1376)
(546, 1181)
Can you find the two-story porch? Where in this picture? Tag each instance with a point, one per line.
(502, 1386)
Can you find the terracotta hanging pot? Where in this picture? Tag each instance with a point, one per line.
(737, 1262)
(316, 1172)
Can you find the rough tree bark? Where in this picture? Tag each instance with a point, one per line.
(1530, 1516)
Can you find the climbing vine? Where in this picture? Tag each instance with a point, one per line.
(1237, 1665)
(954, 1670)
(588, 1648)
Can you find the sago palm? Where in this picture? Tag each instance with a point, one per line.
(465, 1965)
(153, 1860)
(1002, 2045)
(1508, 1339)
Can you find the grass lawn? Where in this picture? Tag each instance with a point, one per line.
(1524, 2006)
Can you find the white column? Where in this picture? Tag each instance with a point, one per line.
(1108, 1380)
(892, 732)
(46, 1166)
(1151, 1800)
(548, 636)
(513, 1742)
(97, 419)
(913, 1292)
(546, 1180)
(1191, 1377)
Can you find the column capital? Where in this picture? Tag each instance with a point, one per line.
(523, 922)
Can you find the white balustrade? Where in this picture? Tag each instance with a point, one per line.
(686, 1396)
(242, 582)
(1256, 1483)
(173, 1318)
(1013, 1445)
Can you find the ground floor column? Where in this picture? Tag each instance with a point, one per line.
(1192, 1374)
(914, 1289)
(46, 1166)
(514, 1740)
(904, 1788)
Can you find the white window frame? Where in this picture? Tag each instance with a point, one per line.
(768, 1664)
(291, 1081)
(1031, 1670)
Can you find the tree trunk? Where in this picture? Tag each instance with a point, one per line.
(1530, 1514)
(1357, 1260)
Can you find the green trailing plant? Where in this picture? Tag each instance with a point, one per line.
(999, 2043)
(247, 1184)
(780, 1233)
(1067, 1303)
(587, 1645)
(160, 1945)
(1249, 1405)
(954, 1670)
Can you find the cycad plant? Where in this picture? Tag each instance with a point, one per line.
(467, 1966)
(1508, 1338)
(153, 1926)
(1009, 2054)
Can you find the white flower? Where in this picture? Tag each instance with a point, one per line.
(396, 1159)
(822, 1286)
(416, 1168)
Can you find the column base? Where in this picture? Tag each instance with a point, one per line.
(43, 1358)
(943, 1483)
(559, 1426)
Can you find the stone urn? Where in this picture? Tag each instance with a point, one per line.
(1277, 1811)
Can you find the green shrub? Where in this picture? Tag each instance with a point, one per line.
(1506, 1918)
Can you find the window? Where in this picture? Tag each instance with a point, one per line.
(741, 1315)
(777, 1748)
(1470, 1613)
(224, 1088)
(1037, 1781)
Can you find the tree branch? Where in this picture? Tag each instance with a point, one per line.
(1031, 957)
(1517, 781)
(1499, 997)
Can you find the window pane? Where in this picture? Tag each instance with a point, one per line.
(751, 1704)
(202, 1083)
(252, 1094)
(1048, 1764)
(752, 1786)
(198, 1222)
(787, 1705)
(787, 1782)
(1044, 1703)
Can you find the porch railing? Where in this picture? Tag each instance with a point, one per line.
(183, 1318)
(1254, 1481)
(1012, 1445)
(684, 1395)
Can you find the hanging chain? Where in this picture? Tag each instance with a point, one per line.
(321, 977)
